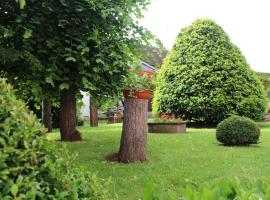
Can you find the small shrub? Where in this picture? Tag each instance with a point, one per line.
(30, 166)
(237, 130)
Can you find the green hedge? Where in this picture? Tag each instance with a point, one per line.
(237, 130)
(205, 78)
(30, 166)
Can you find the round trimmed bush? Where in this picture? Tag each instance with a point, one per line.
(205, 78)
(30, 165)
(237, 130)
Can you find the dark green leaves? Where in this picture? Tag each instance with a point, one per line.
(27, 34)
(22, 3)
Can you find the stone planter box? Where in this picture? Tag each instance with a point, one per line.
(161, 127)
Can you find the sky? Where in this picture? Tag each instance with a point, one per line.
(247, 22)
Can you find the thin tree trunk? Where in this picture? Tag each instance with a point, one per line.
(47, 114)
(93, 114)
(68, 115)
(134, 132)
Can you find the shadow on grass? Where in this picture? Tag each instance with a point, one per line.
(239, 146)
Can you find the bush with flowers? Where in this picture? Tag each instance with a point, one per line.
(166, 118)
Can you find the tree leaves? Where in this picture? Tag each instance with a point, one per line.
(49, 80)
(27, 34)
(22, 3)
(74, 41)
(14, 190)
(63, 86)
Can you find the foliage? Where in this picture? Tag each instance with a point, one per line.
(31, 167)
(230, 189)
(83, 43)
(24, 72)
(108, 102)
(165, 118)
(205, 78)
(138, 79)
(237, 130)
(227, 188)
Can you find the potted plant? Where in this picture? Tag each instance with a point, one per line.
(138, 84)
(166, 124)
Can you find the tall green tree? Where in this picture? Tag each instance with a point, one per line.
(206, 78)
(83, 45)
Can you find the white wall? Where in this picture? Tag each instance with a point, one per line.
(85, 110)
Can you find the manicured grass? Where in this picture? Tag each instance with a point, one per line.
(173, 160)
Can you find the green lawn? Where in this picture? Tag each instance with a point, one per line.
(173, 160)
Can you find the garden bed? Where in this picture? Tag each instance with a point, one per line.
(166, 127)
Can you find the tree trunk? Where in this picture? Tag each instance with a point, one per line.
(68, 115)
(93, 114)
(47, 114)
(134, 132)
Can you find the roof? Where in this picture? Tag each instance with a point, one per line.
(155, 56)
(148, 67)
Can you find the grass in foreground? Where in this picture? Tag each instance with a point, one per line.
(173, 159)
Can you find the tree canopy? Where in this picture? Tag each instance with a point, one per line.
(82, 45)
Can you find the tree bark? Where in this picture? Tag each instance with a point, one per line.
(93, 114)
(134, 132)
(47, 114)
(68, 115)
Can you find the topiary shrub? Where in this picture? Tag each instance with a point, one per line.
(237, 130)
(30, 166)
(205, 78)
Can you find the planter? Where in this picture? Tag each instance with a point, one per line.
(163, 127)
(137, 94)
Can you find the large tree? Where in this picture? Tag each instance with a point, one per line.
(206, 78)
(83, 45)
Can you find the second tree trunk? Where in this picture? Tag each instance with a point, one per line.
(134, 132)
(47, 114)
(68, 115)
(93, 114)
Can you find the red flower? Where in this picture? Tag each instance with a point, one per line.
(149, 73)
(167, 117)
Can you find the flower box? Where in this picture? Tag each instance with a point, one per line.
(166, 127)
(137, 94)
